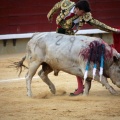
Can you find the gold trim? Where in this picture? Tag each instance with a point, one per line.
(65, 4)
(87, 16)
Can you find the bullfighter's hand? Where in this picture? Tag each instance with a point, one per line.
(49, 18)
(118, 31)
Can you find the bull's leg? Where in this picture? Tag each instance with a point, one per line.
(33, 66)
(87, 86)
(106, 84)
(46, 69)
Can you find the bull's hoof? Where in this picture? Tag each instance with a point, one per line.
(52, 89)
(84, 94)
(56, 72)
(115, 93)
(53, 92)
(29, 94)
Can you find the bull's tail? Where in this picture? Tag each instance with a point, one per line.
(19, 65)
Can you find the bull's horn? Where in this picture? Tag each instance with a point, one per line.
(118, 55)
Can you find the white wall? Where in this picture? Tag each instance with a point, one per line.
(10, 49)
(21, 43)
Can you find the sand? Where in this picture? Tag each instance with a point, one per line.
(15, 105)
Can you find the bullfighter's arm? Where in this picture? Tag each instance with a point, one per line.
(102, 26)
(55, 8)
(94, 22)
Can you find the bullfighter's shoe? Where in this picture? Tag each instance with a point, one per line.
(76, 93)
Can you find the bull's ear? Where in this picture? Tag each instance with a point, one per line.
(115, 59)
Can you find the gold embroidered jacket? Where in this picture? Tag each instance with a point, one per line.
(66, 6)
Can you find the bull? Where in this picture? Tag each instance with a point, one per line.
(57, 52)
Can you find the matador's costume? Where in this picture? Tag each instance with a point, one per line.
(67, 20)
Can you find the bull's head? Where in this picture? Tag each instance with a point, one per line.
(114, 70)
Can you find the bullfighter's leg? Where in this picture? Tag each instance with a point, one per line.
(46, 69)
(105, 83)
(87, 86)
(33, 66)
(80, 88)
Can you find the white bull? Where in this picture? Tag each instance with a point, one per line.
(58, 52)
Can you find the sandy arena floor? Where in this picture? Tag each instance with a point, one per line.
(15, 105)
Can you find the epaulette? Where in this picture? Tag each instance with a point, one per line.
(65, 4)
(87, 16)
